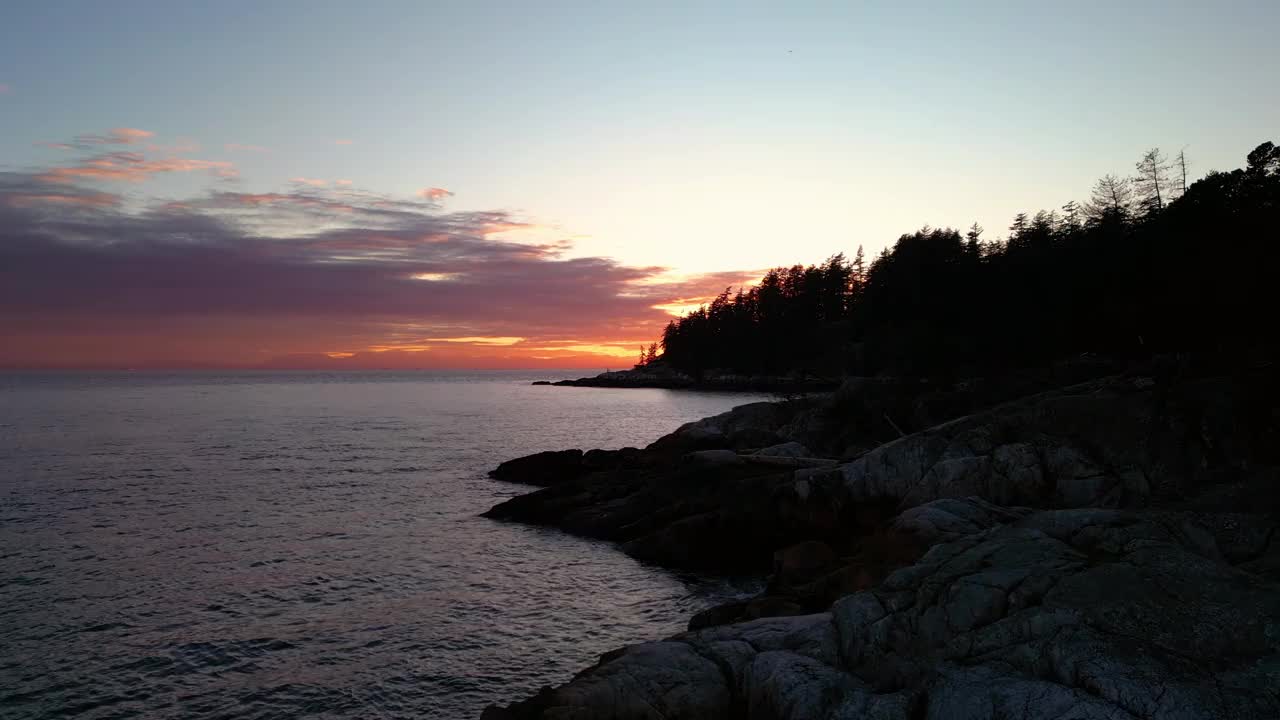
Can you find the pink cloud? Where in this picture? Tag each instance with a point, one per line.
(342, 142)
(313, 182)
(55, 146)
(4, 88)
(98, 200)
(434, 193)
(85, 280)
(258, 200)
(342, 183)
(132, 167)
(116, 136)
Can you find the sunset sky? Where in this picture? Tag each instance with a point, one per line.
(416, 184)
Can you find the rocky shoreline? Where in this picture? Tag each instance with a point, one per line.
(1017, 549)
(666, 379)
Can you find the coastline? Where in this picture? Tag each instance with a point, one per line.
(848, 515)
(665, 379)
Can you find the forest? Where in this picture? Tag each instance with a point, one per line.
(1148, 265)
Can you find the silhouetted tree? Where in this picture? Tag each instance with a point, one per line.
(973, 241)
(1152, 181)
(1112, 200)
(1195, 273)
(1181, 166)
(1264, 160)
(859, 271)
(1018, 227)
(1071, 217)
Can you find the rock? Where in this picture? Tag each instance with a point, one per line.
(544, 468)
(1101, 444)
(598, 460)
(722, 614)
(716, 515)
(952, 518)
(803, 562)
(713, 458)
(1108, 615)
(786, 450)
(796, 463)
(808, 577)
(747, 426)
(1108, 550)
(541, 382)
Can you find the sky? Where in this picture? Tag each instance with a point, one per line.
(415, 184)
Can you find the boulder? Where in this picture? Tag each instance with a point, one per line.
(787, 450)
(952, 518)
(598, 460)
(747, 426)
(713, 458)
(544, 468)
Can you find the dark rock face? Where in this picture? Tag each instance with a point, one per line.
(686, 501)
(1108, 550)
(754, 425)
(1110, 443)
(557, 466)
(803, 562)
(1077, 613)
(791, 449)
(544, 468)
(689, 515)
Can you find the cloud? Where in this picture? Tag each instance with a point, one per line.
(132, 167)
(301, 278)
(486, 341)
(342, 183)
(434, 193)
(116, 136)
(98, 200)
(313, 182)
(240, 147)
(5, 88)
(342, 142)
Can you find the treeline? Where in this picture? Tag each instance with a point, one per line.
(1148, 265)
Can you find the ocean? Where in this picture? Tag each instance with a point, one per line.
(307, 544)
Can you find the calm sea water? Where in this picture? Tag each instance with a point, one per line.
(285, 545)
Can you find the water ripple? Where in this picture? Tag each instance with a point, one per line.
(305, 545)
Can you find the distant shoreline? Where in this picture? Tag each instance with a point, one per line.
(667, 380)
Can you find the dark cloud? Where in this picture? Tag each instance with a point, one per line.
(82, 271)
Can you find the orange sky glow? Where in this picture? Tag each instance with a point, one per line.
(316, 275)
